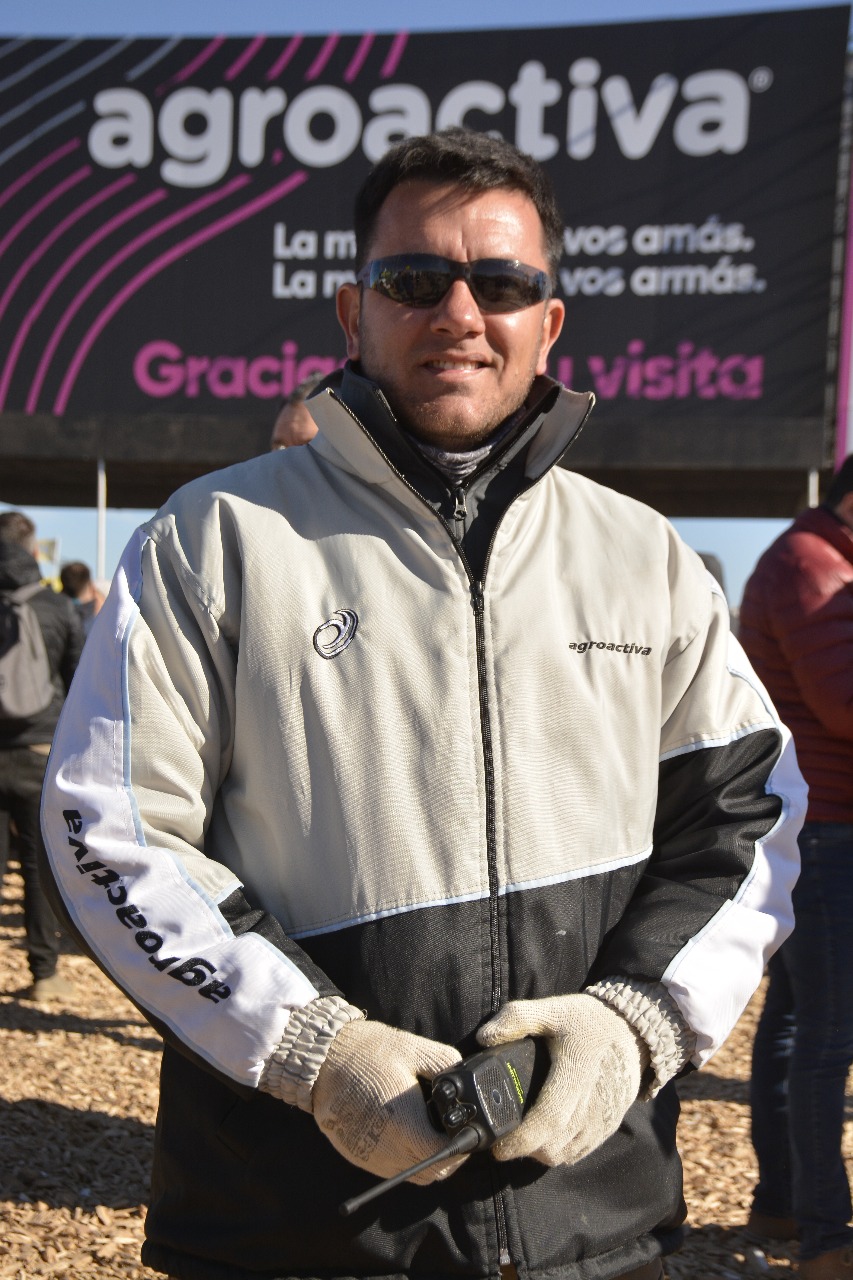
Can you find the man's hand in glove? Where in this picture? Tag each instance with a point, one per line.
(597, 1062)
(369, 1104)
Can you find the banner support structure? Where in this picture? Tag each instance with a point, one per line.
(101, 560)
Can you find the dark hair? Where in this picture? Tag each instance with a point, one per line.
(841, 483)
(16, 527)
(74, 577)
(474, 161)
(302, 390)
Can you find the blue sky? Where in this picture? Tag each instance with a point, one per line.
(738, 543)
(245, 17)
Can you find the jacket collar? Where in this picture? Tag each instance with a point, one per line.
(348, 400)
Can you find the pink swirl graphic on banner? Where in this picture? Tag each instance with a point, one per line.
(116, 260)
(40, 205)
(284, 57)
(198, 61)
(239, 64)
(58, 276)
(25, 178)
(395, 53)
(318, 66)
(171, 255)
(57, 233)
(359, 58)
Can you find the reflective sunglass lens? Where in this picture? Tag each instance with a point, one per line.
(422, 280)
(503, 293)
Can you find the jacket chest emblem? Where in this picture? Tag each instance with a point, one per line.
(333, 635)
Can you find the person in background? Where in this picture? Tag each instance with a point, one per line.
(410, 742)
(77, 584)
(25, 744)
(294, 424)
(796, 624)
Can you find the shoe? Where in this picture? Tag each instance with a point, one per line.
(835, 1265)
(763, 1226)
(52, 988)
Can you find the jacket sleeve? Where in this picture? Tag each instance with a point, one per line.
(714, 900)
(142, 745)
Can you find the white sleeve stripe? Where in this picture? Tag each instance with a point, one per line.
(713, 976)
(724, 740)
(163, 939)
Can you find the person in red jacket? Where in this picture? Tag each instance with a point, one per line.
(796, 624)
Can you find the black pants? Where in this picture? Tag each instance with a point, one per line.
(21, 778)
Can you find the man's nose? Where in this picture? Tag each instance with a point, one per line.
(457, 312)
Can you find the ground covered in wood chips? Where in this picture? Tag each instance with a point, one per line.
(78, 1094)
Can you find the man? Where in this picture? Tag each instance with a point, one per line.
(797, 625)
(25, 743)
(378, 785)
(293, 424)
(77, 584)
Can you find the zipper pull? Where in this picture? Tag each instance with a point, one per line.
(460, 511)
(477, 597)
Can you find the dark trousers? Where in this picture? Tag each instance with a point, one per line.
(21, 778)
(804, 1048)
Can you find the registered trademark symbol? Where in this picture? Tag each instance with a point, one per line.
(760, 79)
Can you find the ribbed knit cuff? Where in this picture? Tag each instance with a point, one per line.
(294, 1066)
(651, 1011)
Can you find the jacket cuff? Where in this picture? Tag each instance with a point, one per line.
(651, 1011)
(292, 1068)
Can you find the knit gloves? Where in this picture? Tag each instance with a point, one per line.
(597, 1062)
(361, 1080)
(620, 1040)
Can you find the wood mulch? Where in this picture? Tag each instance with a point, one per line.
(78, 1094)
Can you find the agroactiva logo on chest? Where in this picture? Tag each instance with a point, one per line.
(610, 646)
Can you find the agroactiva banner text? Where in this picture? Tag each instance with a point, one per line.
(176, 214)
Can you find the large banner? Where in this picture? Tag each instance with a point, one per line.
(175, 214)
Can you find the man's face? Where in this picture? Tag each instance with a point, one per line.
(294, 425)
(451, 372)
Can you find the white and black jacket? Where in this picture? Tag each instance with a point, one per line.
(338, 730)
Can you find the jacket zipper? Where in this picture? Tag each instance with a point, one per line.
(478, 604)
(460, 513)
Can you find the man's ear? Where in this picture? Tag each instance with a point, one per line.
(348, 306)
(555, 314)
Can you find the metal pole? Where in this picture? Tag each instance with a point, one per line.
(814, 489)
(101, 563)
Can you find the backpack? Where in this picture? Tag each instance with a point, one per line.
(26, 687)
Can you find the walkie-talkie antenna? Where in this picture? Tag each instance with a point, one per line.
(467, 1140)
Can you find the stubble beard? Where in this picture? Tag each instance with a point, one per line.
(436, 423)
(447, 420)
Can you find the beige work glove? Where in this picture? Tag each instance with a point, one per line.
(368, 1102)
(597, 1062)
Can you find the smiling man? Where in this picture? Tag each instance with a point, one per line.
(455, 371)
(410, 742)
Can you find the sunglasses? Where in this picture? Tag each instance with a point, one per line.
(498, 285)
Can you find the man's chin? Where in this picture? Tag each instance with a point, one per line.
(456, 435)
(454, 423)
